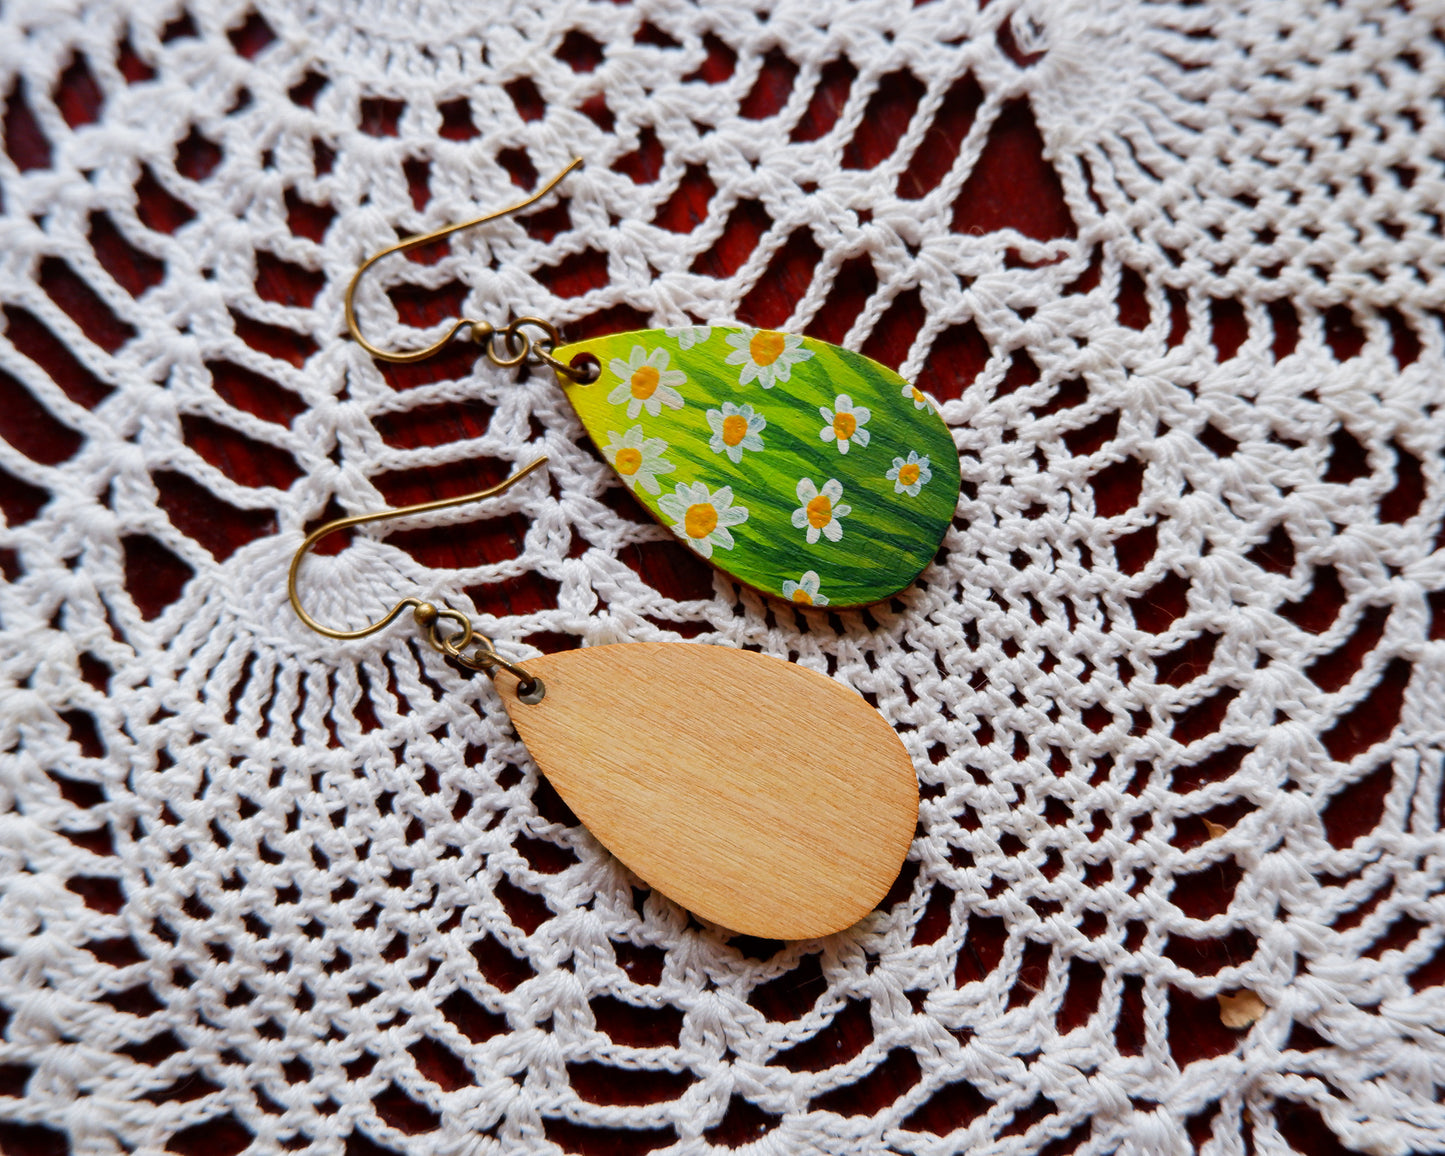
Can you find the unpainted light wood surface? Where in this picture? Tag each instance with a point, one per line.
(758, 794)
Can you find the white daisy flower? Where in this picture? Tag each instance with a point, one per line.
(845, 423)
(687, 336)
(805, 590)
(646, 382)
(765, 355)
(821, 510)
(911, 476)
(701, 518)
(637, 459)
(734, 429)
(917, 396)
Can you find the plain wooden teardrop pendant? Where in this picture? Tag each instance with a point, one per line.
(758, 794)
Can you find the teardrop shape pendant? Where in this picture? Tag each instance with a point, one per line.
(758, 794)
(800, 468)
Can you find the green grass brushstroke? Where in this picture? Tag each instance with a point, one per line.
(887, 539)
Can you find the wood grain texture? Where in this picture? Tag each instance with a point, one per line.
(758, 794)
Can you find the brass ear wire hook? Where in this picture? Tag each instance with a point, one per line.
(517, 345)
(485, 658)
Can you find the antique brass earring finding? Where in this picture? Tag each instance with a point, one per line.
(800, 468)
(756, 793)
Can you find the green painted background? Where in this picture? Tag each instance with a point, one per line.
(887, 539)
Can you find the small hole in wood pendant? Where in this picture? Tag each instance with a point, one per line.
(588, 368)
(532, 691)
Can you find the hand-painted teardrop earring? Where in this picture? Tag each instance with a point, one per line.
(791, 834)
(800, 468)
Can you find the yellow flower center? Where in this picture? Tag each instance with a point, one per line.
(843, 426)
(766, 347)
(918, 396)
(907, 474)
(820, 512)
(735, 428)
(629, 459)
(801, 595)
(644, 382)
(700, 520)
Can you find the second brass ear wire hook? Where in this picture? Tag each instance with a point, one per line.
(516, 344)
(429, 617)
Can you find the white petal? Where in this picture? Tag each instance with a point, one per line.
(756, 422)
(658, 359)
(844, 403)
(924, 474)
(652, 446)
(620, 394)
(861, 435)
(619, 367)
(842, 445)
(638, 357)
(789, 588)
(634, 407)
(702, 545)
(806, 491)
(672, 377)
(737, 357)
(715, 420)
(750, 442)
(722, 537)
(833, 490)
(717, 446)
(800, 519)
(841, 511)
(648, 482)
(833, 530)
(827, 434)
(668, 397)
(812, 534)
(827, 414)
(735, 453)
(732, 516)
(820, 600)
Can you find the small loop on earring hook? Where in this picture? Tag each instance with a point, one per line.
(480, 331)
(426, 615)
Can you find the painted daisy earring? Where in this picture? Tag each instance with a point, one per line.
(796, 833)
(717, 429)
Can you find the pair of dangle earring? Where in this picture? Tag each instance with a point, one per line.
(766, 797)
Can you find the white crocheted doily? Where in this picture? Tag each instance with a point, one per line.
(1175, 685)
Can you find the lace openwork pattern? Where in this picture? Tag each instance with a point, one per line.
(1174, 685)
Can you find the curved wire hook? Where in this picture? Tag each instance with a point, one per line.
(407, 356)
(426, 614)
